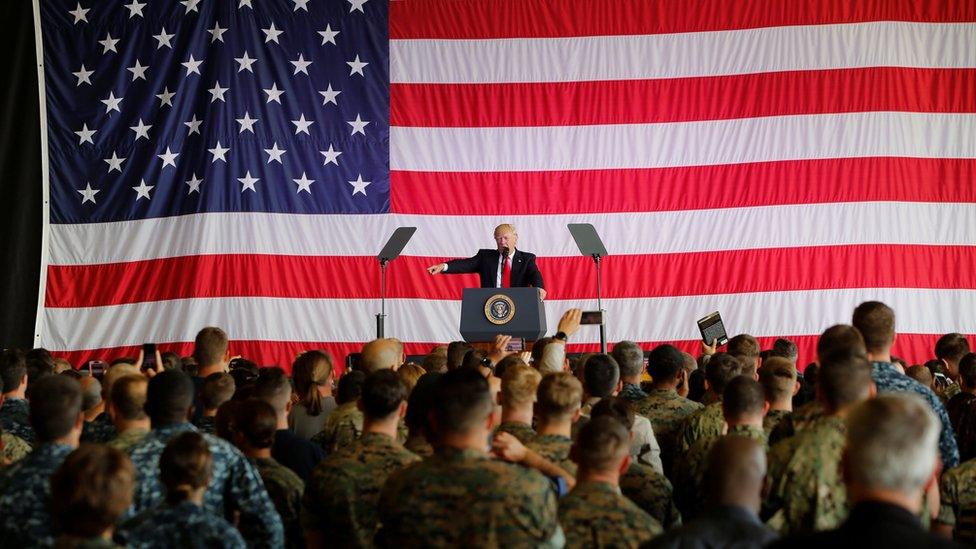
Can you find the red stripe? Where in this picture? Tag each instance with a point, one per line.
(683, 99)
(706, 273)
(915, 348)
(477, 19)
(685, 188)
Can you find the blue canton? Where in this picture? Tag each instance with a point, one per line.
(25, 492)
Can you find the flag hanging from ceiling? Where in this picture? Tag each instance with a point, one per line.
(240, 164)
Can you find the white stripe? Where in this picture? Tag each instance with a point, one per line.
(545, 235)
(646, 319)
(710, 142)
(774, 49)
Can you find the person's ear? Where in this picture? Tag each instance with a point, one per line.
(80, 420)
(577, 414)
(620, 386)
(625, 464)
(796, 387)
(289, 405)
(872, 390)
(765, 408)
(23, 381)
(490, 422)
(708, 386)
(402, 411)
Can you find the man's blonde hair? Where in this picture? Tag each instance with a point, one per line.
(505, 227)
(519, 385)
(560, 394)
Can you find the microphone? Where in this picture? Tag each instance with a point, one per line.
(505, 251)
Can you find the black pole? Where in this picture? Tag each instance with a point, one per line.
(599, 305)
(381, 317)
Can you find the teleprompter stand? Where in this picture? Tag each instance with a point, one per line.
(589, 243)
(394, 246)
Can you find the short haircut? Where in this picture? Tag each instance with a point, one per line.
(420, 402)
(171, 361)
(225, 422)
(519, 385)
(13, 368)
(784, 348)
(168, 398)
(920, 374)
(115, 373)
(54, 407)
(218, 388)
(539, 349)
(558, 397)
(844, 379)
(840, 338)
(184, 465)
(600, 375)
(350, 387)
(952, 347)
(742, 397)
(743, 345)
(455, 353)
(383, 392)
(462, 401)
(967, 370)
(892, 443)
(210, 346)
(256, 421)
(720, 370)
(629, 357)
(90, 490)
(475, 358)
(506, 363)
(736, 464)
(311, 371)
(778, 378)
(435, 362)
(602, 444)
(128, 397)
(665, 363)
(618, 408)
(91, 393)
(273, 387)
(409, 374)
(876, 322)
(381, 354)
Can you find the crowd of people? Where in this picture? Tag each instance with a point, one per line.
(482, 447)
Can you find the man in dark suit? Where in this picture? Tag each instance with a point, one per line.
(503, 267)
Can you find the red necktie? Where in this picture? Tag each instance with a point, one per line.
(507, 273)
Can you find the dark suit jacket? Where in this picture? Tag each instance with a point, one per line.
(485, 263)
(719, 526)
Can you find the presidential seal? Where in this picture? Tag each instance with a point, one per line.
(499, 309)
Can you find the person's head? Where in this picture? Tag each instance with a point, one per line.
(40, 363)
(967, 372)
(13, 371)
(743, 402)
(312, 374)
(720, 370)
(218, 388)
(184, 467)
(381, 354)
(115, 373)
(435, 362)
(409, 374)
(245, 374)
(274, 387)
(419, 404)
(697, 385)
(664, 364)
(91, 393)
(506, 237)
(876, 322)
(736, 472)
(168, 398)
(254, 425)
(455, 353)
(211, 348)
(350, 387)
(630, 359)
(171, 361)
(602, 449)
(55, 409)
(784, 348)
(384, 396)
(840, 338)
(539, 349)
(225, 422)
(745, 348)
(90, 491)
(892, 446)
(62, 365)
(519, 386)
(601, 376)
(843, 380)
(778, 380)
(921, 374)
(462, 404)
(558, 398)
(618, 408)
(128, 399)
(950, 349)
(475, 359)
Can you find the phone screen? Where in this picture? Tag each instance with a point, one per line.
(148, 356)
(592, 317)
(516, 345)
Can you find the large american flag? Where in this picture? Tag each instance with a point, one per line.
(240, 163)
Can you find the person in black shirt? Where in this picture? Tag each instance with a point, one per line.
(297, 453)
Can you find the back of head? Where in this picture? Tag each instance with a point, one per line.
(602, 445)
(462, 401)
(40, 363)
(409, 374)
(210, 346)
(876, 322)
(421, 400)
(218, 388)
(506, 363)
(184, 466)
(383, 392)
(256, 422)
(778, 379)
(743, 398)
(629, 357)
(311, 371)
(113, 374)
(128, 397)
(967, 371)
(455, 353)
(744, 346)
(519, 384)
(475, 358)
(720, 370)
(600, 375)
(381, 354)
(840, 338)
(892, 443)
(225, 422)
(617, 408)
(168, 398)
(952, 347)
(13, 368)
(665, 363)
(54, 407)
(735, 471)
(171, 361)
(273, 387)
(920, 374)
(843, 379)
(558, 397)
(350, 387)
(539, 349)
(784, 348)
(91, 392)
(435, 362)
(90, 490)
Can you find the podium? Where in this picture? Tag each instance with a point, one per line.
(487, 312)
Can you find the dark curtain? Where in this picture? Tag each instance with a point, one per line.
(20, 175)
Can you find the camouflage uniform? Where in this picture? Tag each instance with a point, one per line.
(596, 514)
(462, 498)
(15, 419)
(25, 493)
(949, 391)
(773, 418)
(343, 491)
(958, 509)
(705, 423)
(341, 428)
(632, 392)
(14, 449)
(807, 491)
(182, 525)
(643, 448)
(554, 448)
(234, 485)
(207, 424)
(521, 431)
(801, 418)
(128, 439)
(101, 429)
(97, 542)
(285, 489)
(652, 492)
(666, 410)
(419, 445)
